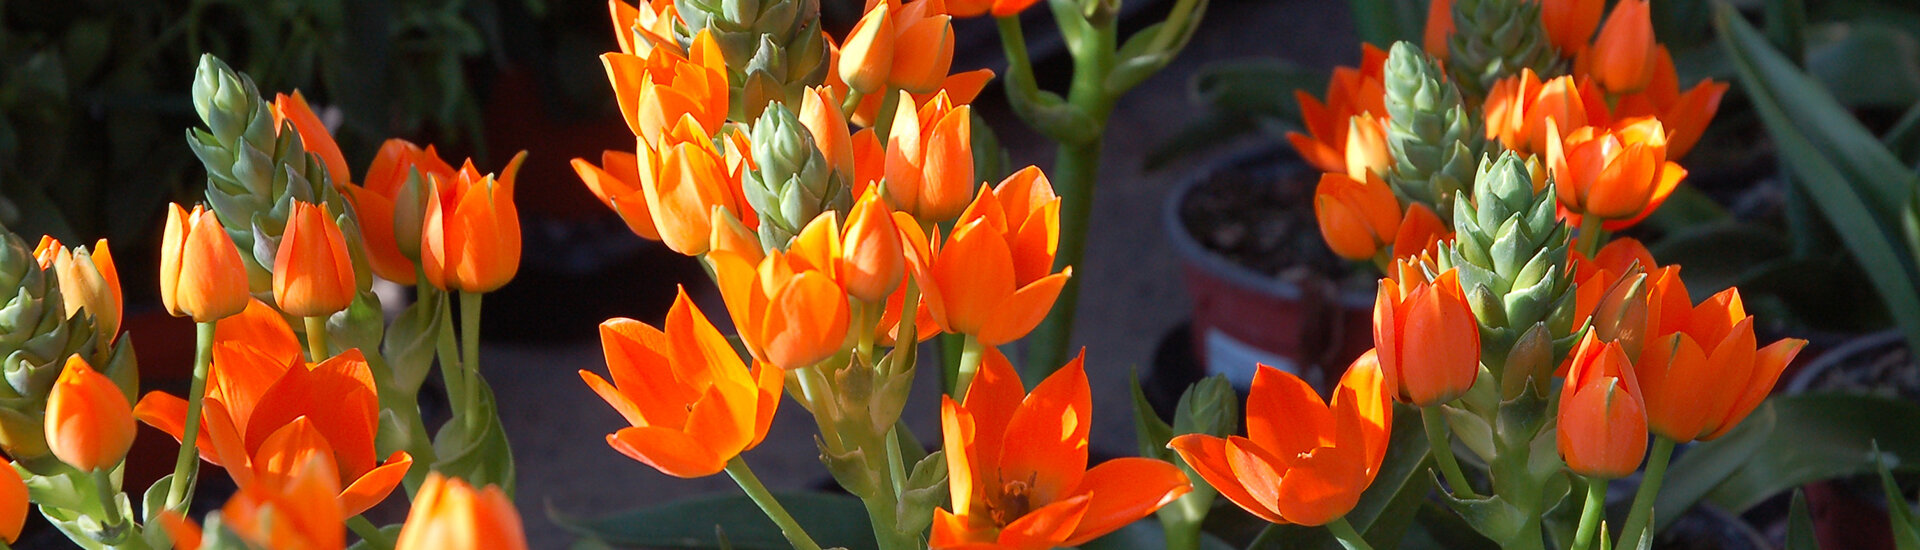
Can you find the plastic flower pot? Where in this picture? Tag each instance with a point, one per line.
(1292, 315)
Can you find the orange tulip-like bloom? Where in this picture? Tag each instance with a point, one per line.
(691, 402)
(201, 275)
(682, 178)
(13, 505)
(88, 280)
(312, 271)
(1356, 218)
(903, 45)
(1428, 341)
(656, 90)
(1351, 92)
(1592, 278)
(1620, 175)
(960, 88)
(1518, 108)
(872, 262)
(1705, 376)
(89, 422)
(929, 166)
(1570, 23)
(1622, 57)
(820, 112)
(993, 278)
(640, 28)
(471, 238)
(1439, 28)
(262, 401)
(1017, 466)
(1420, 230)
(1302, 460)
(789, 306)
(616, 181)
(1685, 115)
(1603, 424)
(1367, 154)
(390, 213)
(294, 515)
(448, 514)
(314, 136)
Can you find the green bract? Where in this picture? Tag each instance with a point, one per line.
(1511, 253)
(1433, 138)
(774, 48)
(1495, 39)
(792, 183)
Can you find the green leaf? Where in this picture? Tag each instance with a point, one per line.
(409, 342)
(1906, 535)
(1816, 437)
(1388, 507)
(1800, 525)
(1904, 138)
(1864, 63)
(479, 455)
(1705, 465)
(1149, 430)
(1787, 27)
(1722, 255)
(834, 520)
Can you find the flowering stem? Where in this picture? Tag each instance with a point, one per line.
(316, 338)
(1591, 514)
(1590, 230)
(883, 120)
(470, 350)
(743, 475)
(112, 524)
(971, 352)
(1441, 446)
(188, 463)
(1349, 538)
(369, 533)
(1641, 515)
(448, 350)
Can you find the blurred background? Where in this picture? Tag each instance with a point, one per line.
(94, 105)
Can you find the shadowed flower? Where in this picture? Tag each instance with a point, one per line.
(391, 205)
(1351, 92)
(1017, 466)
(1570, 23)
(691, 403)
(88, 280)
(1684, 115)
(1622, 57)
(616, 181)
(13, 505)
(295, 514)
(1356, 218)
(1603, 425)
(993, 278)
(89, 422)
(448, 514)
(1702, 375)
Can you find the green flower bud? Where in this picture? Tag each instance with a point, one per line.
(36, 337)
(1511, 253)
(1432, 136)
(1210, 407)
(1495, 39)
(774, 48)
(792, 184)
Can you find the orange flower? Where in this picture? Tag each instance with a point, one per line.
(1367, 153)
(88, 280)
(929, 166)
(1705, 376)
(1593, 277)
(908, 46)
(998, 8)
(820, 113)
(263, 329)
(692, 404)
(1017, 466)
(312, 271)
(1685, 115)
(1518, 107)
(1429, 344)
(1351, 91)
(200, 271)
(314, 136)
(1603, 426)
(656, 90)
(617, 183)
(1356, 219)
(1622, 57)
(869, 161)
(296, 514)
(1439, 28)
(873, 263)
(89, 422)
(683, 177)
(789, 306)
(391, 214)
(1619, 175)
(448, 514)
(1570, 23)
(1419, 231)
(262, 402)
(993, 278)
(13, 505)
(960, 88)
(471, 238)
(640, 28)
(1302, 460)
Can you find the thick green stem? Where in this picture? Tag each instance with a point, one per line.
(1590, 233)
(452, 374)
(375, 539)
(971, 352)
(111, 521)
(1349, 538)
(413, 435)
(1075, 169)
(316, 338)
(470, 350)
(1591, 515)
(1182, 535)
(1641, 516)
(1440, 444)
(187, 464)
(769, 505)
(1268, 536)
(883, 120)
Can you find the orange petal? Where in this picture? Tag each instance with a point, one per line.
(1208, 457)
(1046, 439)
(375, 485)
(1284, 414)
(671, 451)
(1124, 490)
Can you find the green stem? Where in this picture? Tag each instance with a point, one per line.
(470, 349)
(375, 539)
(1268, 536)
(737, 468)
(1641, 516)
(112, 523)
(447, 348)
(1349, 538)
(1590, 233)
(896, 463)
(971, 352)
(187, 464)
(1440, 444)
(1184, 535)
(883, 120)
(852, 103)
(1074, 170)
(316, 338)
(1591, 515)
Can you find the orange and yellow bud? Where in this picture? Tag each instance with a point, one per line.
(789, 306)
(690, 403)
(899, 45)
(201, 275)
(1622, 58)
(471, 239)
(89, 422)
(1356, 219)
(929, 159)
(873, 262)
(866, 58)
(1706, 375)
(1428, 341)
(657, 89)
(1518, 108)
(1603, 423)
(449, 514)
(88, 280)
(1570, 23)
(682, 177)
(641, 28)
(312, 271)
(993, 278)
(1620, 175)
(1367, 154)
(1351, 91)
(822, 116)
(295, 514)
(390, 212)
(1303, 461)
